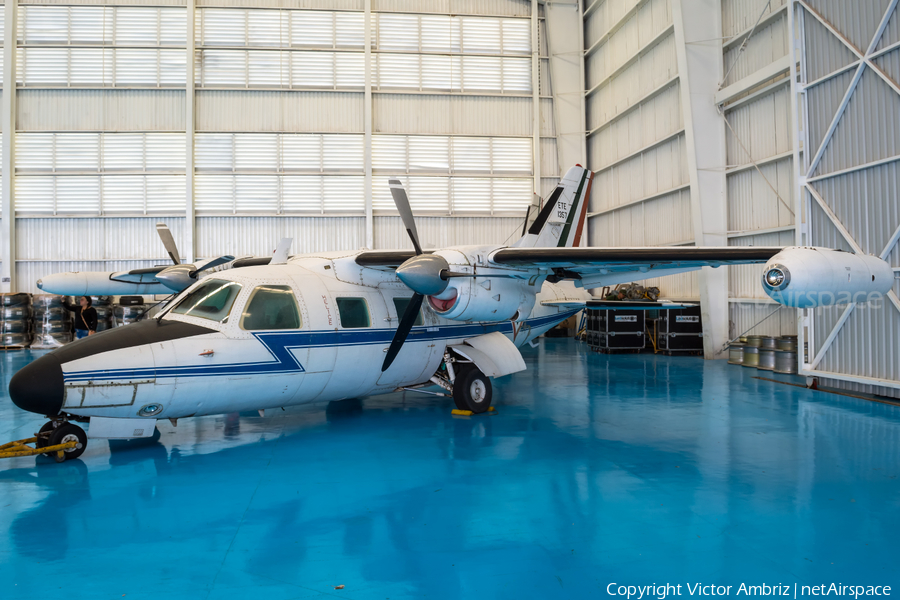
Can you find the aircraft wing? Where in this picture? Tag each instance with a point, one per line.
(588, 260)
(597, 267)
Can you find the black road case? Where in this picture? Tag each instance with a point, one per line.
(680, 330)
(612, 329)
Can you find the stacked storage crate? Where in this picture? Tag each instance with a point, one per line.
(609, 329)
(679, 330)
(129, 310)
(15, 320)
(52, 322)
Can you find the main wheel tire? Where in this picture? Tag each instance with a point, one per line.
(472, 390)
(68, 433)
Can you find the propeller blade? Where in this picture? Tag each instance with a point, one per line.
(212, 262)
(402, 203)
(406, 323)
(169, 242)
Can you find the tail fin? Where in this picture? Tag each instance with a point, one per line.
(561, 222)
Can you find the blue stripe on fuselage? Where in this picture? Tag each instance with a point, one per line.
(280, 343)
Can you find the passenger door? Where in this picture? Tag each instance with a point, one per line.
(358, 364)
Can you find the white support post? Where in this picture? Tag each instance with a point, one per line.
(367, 118)
(8, 267)
(536, 96)
(190, 220)
(798, 127)
(698, 52)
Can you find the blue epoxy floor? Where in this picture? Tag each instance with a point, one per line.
(597, 469)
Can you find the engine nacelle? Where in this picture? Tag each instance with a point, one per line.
(812, 277)
(484, 299)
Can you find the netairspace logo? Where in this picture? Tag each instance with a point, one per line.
(662, 591)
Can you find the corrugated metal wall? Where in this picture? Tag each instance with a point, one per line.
(60, 97)
(636, 142)
(635, 123)
(759, 145)
(852, 195)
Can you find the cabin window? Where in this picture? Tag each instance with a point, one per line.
(400, 304)
(271, 307)
(354, 312)
(212, 300)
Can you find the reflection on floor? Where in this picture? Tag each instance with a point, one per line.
(597, 470)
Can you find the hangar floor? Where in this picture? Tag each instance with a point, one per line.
(597, 470)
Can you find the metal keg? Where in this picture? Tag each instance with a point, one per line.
(768, 342)
(787, 342)
(786, 361)
(766, 359)
(736, 354)
(754, 340)
(751, 356)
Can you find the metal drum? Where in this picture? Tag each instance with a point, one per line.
(751, 356)
(736, 354)
(787, 342)
(766, 359)
(786, 361)
(754, 340)
(768, 342)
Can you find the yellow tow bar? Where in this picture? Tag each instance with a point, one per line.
(21, 448)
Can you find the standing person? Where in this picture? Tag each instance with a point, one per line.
(85, 316)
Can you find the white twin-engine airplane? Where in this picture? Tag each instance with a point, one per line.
(335, 325)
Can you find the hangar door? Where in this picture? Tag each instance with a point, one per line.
(848, 100)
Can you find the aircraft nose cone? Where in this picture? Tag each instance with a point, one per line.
(38, 387)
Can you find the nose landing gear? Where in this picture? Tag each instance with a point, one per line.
(63, 433)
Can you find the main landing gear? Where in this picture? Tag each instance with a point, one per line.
(471, 389)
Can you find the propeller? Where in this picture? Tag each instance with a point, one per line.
(180, 276)
(424, 274)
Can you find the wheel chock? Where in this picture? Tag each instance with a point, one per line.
(469, 413)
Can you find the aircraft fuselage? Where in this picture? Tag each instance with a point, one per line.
(187, 365)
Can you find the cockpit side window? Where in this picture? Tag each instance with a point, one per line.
(271, 307)
(212, 300)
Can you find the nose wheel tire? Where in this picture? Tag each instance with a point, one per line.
(65, 433)
(43, 434)
(472, 390)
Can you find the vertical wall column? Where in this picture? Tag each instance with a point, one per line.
(536, 96)
(698, 49)
(8, 251)
(567, 74)
(190, 245)
(367, 118)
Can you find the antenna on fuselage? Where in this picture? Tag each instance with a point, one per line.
(280, 256)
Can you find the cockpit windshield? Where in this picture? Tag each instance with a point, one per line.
(212, 300)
